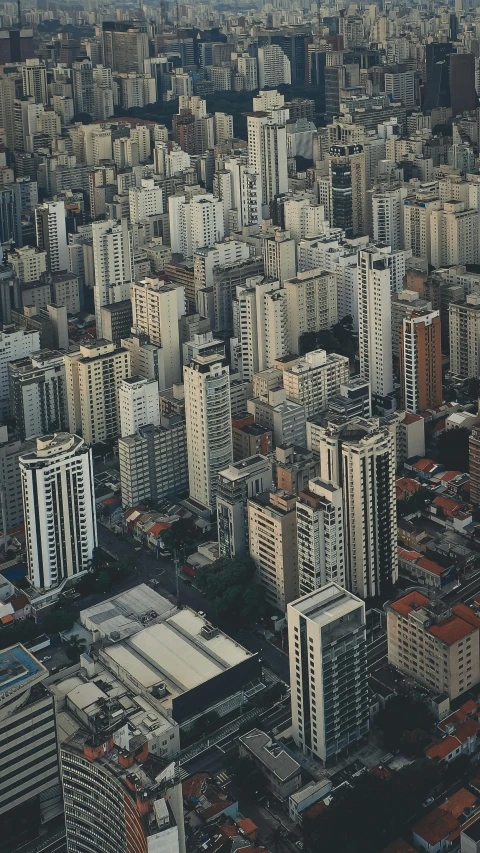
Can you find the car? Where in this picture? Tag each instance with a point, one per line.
(186, 582)
(44, 660)
(138, 548)
(428, 802)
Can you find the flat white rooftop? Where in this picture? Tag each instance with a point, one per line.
(326, 604)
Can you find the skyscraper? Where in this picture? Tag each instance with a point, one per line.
(236, 484)
(348, 208)
(267, 152)
(83, 89)
(139, 404)
(272, 542)
(34, 80)
(52, 234)
(463, 96)
(157, 308)
(374, 319)
(113, 264)
(59, 505)
(11, 215)
(328, 672)
(421, 361)
(125, 46)
(209, 426)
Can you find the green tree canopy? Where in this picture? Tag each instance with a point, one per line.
(75, 647)
(403, 714)
(231, 588)
(182, 533)
(452, 449)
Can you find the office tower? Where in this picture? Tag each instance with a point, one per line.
(463, 97)
(153, 462)
(314, 379)
(28, 263)
(335, 80)
(59, 505)
(113, 264)
(433, 644)
(360, 458)
(11, 215)
(125, 46)
(248, 67)
(454, 235)
(421, 362)
(465, 337)
(38, 396)
(30, 778)
(157, 308)
(279, 256)
(416, 225)
(194, 224)
(145, 200)
(311, 304)
(260, 324)
(52, 234)
(321, 558)
(267, 153)
(400, 85)
(328, 672)
(93, 375)
(139, 404)
(223, 127)
(14, 344)
(16, 45)
(209, 427)
(474, 466)
(347, 172)
(374, 319)
(34, 81)
(387, 216)
(83, 88)
(272, 537)
(236, 484)
(273, 66)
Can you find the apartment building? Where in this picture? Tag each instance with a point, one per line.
(272, 535)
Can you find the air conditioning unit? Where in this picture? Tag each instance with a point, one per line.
(208, 631)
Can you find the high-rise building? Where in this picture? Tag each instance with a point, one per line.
(474, 466)
(145, 200)
(260, 324)
(209, 427)
(29, 263)
(34, 80)
(59, 505)
(421, 362)
(465, 337)
(236, 484)
(328, 672)
(194, 224)
(454, 235)
(416, 225)
(400, 85)
(83, 88)
(360, 458)
(157, 308)
(30, 779)
(387, 216)
(279, 256)
(273, 66)
(11, 215)
(125, 46)
(52, 234)
(93, 376)
(113, 264)
(272, 538)
(348, 203)
(14, 344)
(38, 395)
(321, 557)
(267, 153)
(404, 304)
(379, 272)
(312, 304)
(313, 380)
(223, 127)
(153, 462)
(139, 404)
(463, 97)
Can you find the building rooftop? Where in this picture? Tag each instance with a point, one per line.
(323, 605)
(126, 614)
(271, 754)
(19, 671)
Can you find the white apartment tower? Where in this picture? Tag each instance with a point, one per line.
(59, 505)
(51, 232)
(328, 672)
(454, 235)
(209, 426)
(279, 256)
(260, 324)
(267, 153)
(321, 556)
(34, 81)
(387, 216)
(157, 308)
(195, 224)
(312, 298)
(416, 225)
(273, 66)
(360, 458)
(374, 319)
(313, 380)
(113, 264)
(139, 404)
(145, 200)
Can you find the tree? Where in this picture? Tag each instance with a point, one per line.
(452, 449)
(60, 619)
(403, 714)
(413, 742)
(231, 588)
(75, 647)
(247, 778)
(179, 535)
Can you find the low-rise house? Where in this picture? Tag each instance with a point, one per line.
(282, 773)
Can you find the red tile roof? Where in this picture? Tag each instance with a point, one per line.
(467, 729)
(398, 846)
(466, 613)
(458, 802)
(451, 630)
(443, 747)
(409, 602)
(410, 418)
(192, 787)
(435, 826)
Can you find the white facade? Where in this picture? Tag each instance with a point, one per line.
(387, 216)
(29, 263)
(157, 308)
(273, 66)
(223, 127)
(267, 153)
(416, 226)
(113, 264)
(145, 200)
(374, 319)
(14, 344)
(328, 671)
(194, 224)
(312, 304)
(304, 219)
(139, 404)
(209, 426)
(207, 259)
(279, 256)
(59, 505)
(246, 191)
(455, 235)
(260, 324)
(321, 556)
(314, 379)
(52, 233)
